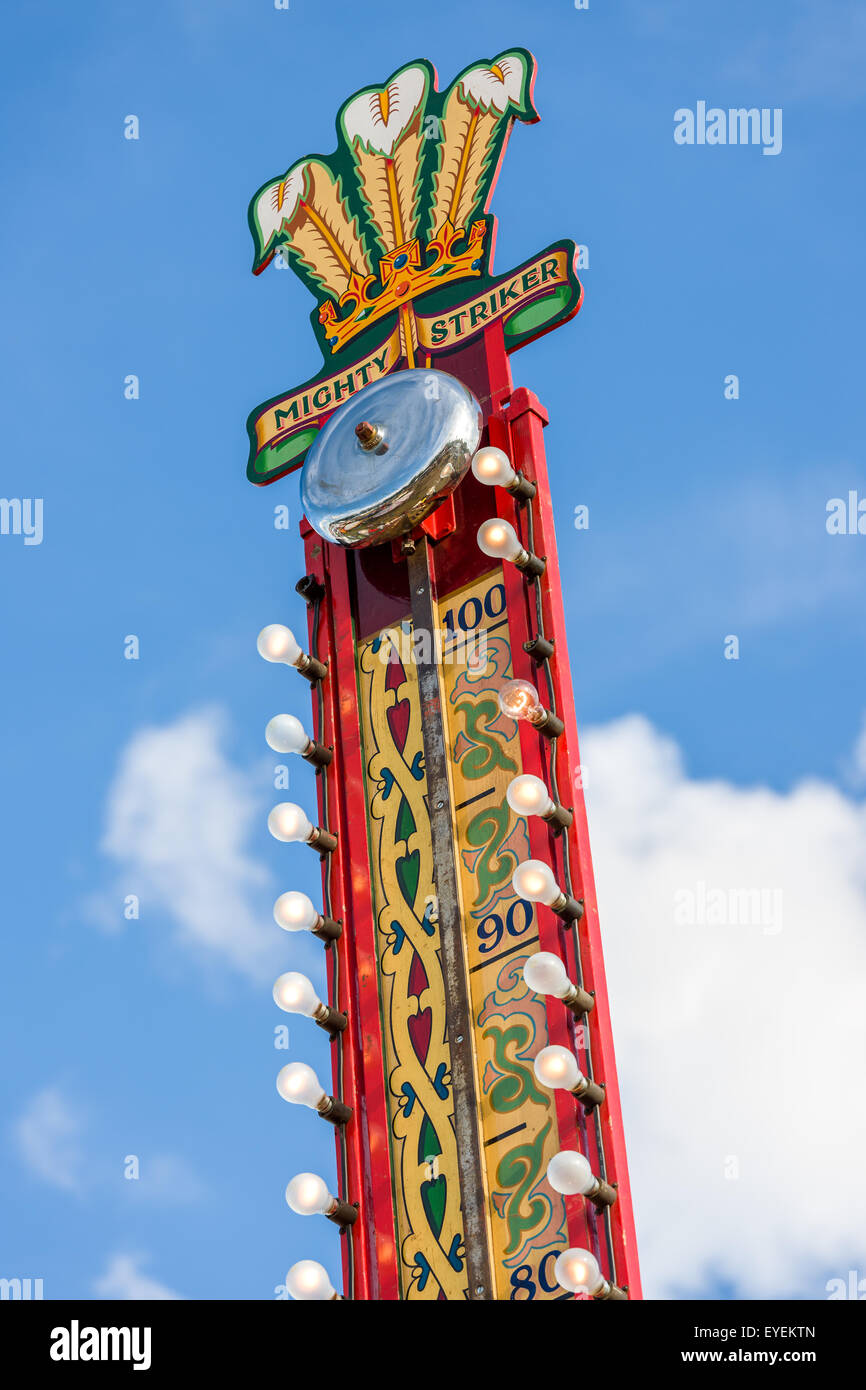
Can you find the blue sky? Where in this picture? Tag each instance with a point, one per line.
(707, 518)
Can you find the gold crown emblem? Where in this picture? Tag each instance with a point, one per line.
(403, 277)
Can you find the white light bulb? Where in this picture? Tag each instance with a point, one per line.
(287, 822)
(277, 643)
(499, 539)
(577, 1271)
(295, 912)
(555, 1067)
(294, 994)
(308, 1195)
(299, 1084)
(492, 466)
(528, 796)
(569, 1172)
(534, 881)
(545, 973)
(286, 734)
(308, 1280)
(519, 700)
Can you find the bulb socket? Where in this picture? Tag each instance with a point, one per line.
(610, 1292)
(589, 1093)
(309, 588)
(533, 566)
(522, 487)
(343, 1214)
(569, 909)
(602, 1195)
(334, 1111)
(318, 754)
(311, 668)
(323, 841)
(540, 649)
(580, 1001)
(332, 1020)
(327, 929)
(548, 724)
(559, 818)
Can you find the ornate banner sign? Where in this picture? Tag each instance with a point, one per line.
(388, 232)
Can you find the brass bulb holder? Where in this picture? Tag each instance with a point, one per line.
(580, 1001)
(610, 1293)
(602, 1195)
(521, 487)
(333, 1021)
(548, 724)
(318, 754)
(328, 930)
(539, 648)
(323, 841)
(343, 1214)
(311, 668)
(333, 1110)
(568, 909)
(589, 1093)
(533, 566)
(559, 819)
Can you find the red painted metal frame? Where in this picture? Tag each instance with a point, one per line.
(514, 421)
(363, 1079)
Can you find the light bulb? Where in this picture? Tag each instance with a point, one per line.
(308, 1280)
(569, 1172)
(534, 881)
(294, 994)
(499, 539)
(555, 1067)
(308, 1195)
(294, 911)
(528, 796)
(286, 734)
(492, 466)
(545, 973)
(278, 643)
(287, 822)
(298, 1083)
(578, 1271)
(519, 700)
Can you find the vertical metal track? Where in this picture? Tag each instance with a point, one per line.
(457, 1005)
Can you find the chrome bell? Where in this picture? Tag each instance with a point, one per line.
(389, 455)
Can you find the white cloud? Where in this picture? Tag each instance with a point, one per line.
(48, 1138)
(741, 1042)
(179, 818)
(123, 1279)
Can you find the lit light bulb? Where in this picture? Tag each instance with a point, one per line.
(533, 880)
(578, 1271)
(294, 994)
(556, 1067)
(294, 911)
(308, 1280)
(298, 1083)
(492, 466)
(286, 734)
(528, 796)
(519, 700)
(545, 973)
(570, 1173)
(308, 1195)
(278, 643)
(498, 539)
(287, 822)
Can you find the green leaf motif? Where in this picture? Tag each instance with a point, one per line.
(488, 752)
